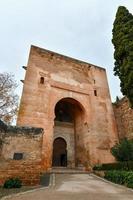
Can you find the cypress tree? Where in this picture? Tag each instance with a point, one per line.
(123, 54)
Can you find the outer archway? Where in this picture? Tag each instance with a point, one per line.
(59, 152)
(69, 124)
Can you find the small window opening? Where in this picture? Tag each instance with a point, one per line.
(52, 55)
(18, 156)
(42, 80)
(95, 92)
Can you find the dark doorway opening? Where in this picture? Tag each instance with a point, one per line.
(59, 153)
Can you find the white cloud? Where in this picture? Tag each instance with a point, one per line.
(77, 28)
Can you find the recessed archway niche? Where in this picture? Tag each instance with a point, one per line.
(59, 153)
(69, 125)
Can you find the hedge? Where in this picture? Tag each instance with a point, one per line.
(120, 177)
(126, 166)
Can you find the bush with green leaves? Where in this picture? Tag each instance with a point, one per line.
(97, 167)
(123, 151)
(120, 177)
(12, 183)
(126, 166)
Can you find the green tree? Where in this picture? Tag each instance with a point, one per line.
(123, 151)
(123, 54)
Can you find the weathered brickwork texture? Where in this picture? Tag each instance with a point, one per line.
(28, 142)
(124, 118)
(51, 78)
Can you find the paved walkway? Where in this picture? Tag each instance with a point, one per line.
(78, 187)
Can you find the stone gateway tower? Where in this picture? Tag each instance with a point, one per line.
(70, 100)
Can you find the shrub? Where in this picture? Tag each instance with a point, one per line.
(98, 167)
(120, 177)
(12, 183)
(123, 151)
(126, 166)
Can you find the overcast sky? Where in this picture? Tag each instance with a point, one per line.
(78, 28)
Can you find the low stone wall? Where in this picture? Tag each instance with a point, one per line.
(28, 172)
(124, 118)
(20, 153)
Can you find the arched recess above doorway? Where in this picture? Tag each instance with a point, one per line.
(65, 109)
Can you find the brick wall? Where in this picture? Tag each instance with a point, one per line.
(28, 172)
(28, 142)
(124, 118)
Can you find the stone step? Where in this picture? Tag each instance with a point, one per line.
(62, 170)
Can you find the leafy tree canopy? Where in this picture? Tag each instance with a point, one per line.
(123, 151)
(8, 98)
(123, 54)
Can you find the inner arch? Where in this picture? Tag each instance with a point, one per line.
(59, 152)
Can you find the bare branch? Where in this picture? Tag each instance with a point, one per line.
(8, 99)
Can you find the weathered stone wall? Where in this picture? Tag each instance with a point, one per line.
(27, 141)
(84, 83)
(82, 158)
(124, 118)
(28, 172)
